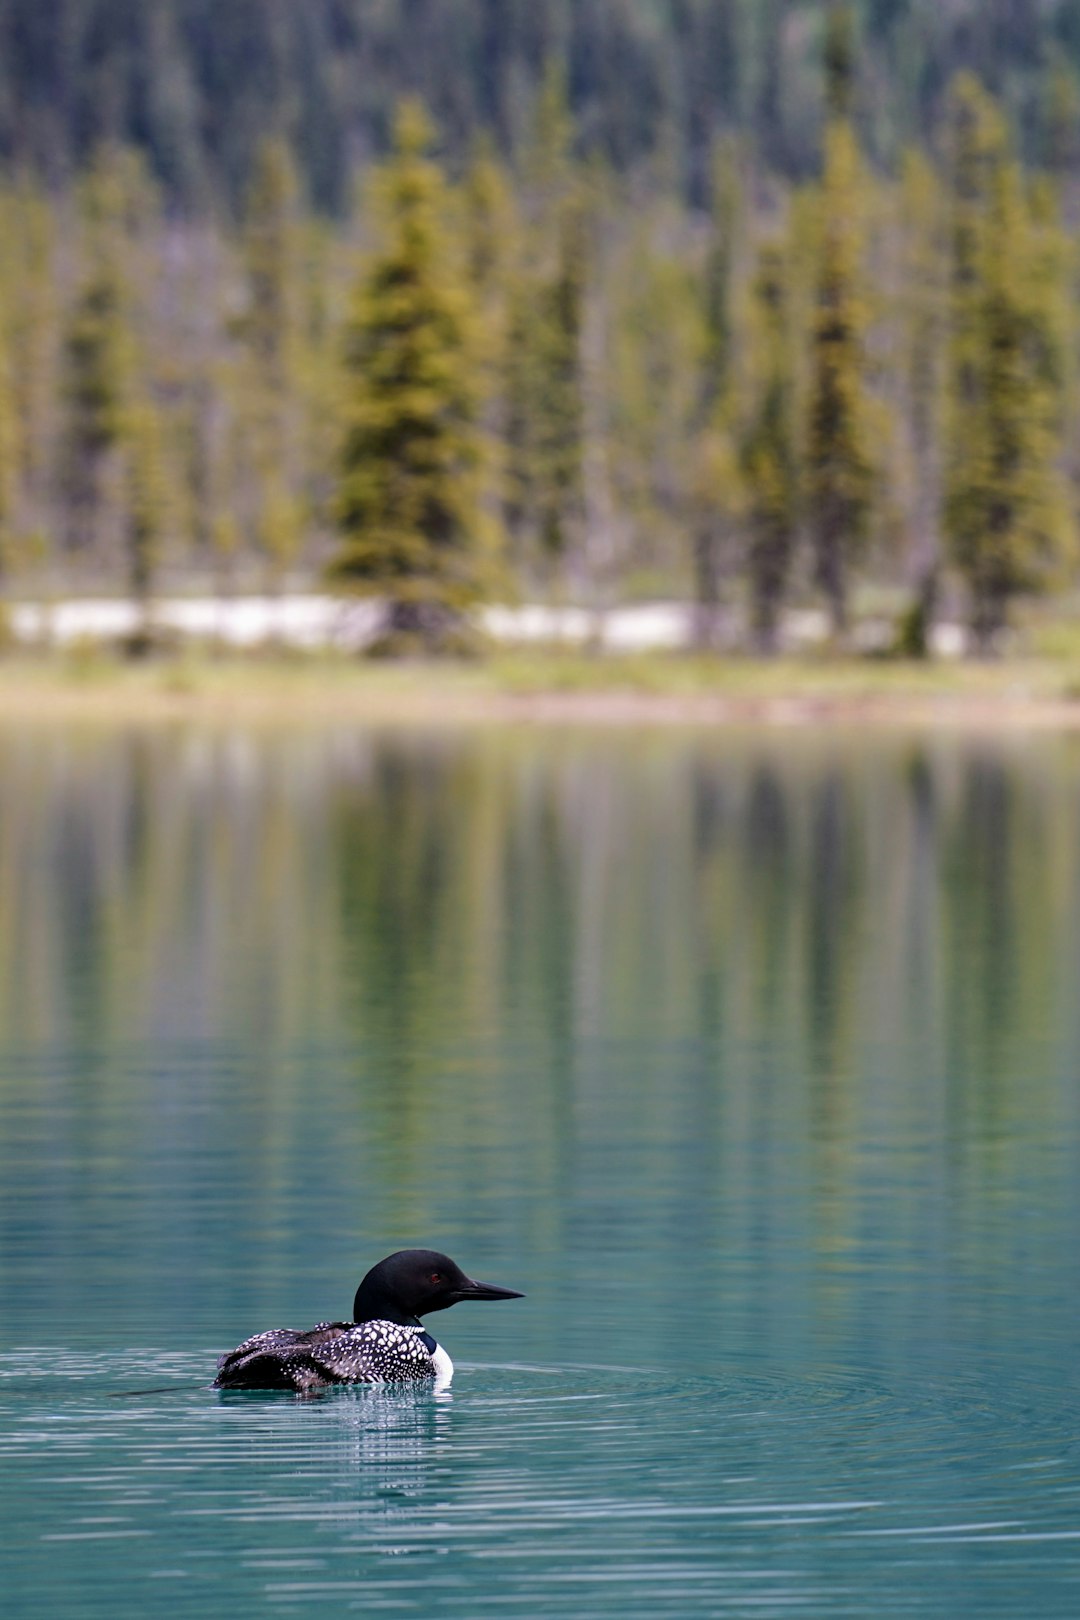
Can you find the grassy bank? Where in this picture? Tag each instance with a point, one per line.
(544, 686)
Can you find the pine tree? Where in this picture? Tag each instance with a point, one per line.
(715, 495)
(114, 428)
(839, 475)
(490, 234)
(269, 252)
(920, 298)
(1005, 511)
(768, 460)
(144, 514)
(669, 476)
(28, 378)
(270, 327)
(100, 343)
(12, 434)
(558, 405)
(726, 222)
(409, 504)
(545, 414)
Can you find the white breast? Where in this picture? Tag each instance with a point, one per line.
(444, 1367)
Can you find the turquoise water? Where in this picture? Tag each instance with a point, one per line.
(754, 1061)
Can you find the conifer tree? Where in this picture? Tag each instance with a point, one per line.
(98, 345)
(490, 233)
(768, 460)
(95, 364)
(270, 393)
(544, 376)
(545, 414)
(28, 378)
(669, 476)
(720, 270)
(144, 514)
(409, 507)
(11, 437)
(269, 252)
(716, 499)
(558, 404)
(1004, 509)
(114, 431)
(838, 470)
(921, 311)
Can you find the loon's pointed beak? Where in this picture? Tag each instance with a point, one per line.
(480, 1290)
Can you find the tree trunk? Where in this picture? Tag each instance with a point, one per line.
(766, 625)
(916, 623)
(707, 575)
(988, 616)
(421, 628)
(834, 585)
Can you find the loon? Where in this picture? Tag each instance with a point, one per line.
(384, 1342)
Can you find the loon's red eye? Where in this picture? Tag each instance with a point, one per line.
(435, 1277)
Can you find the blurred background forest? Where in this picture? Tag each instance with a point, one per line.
(749, 302)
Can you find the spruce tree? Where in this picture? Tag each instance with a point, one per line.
(11, 436)
(409, 500)
(27, 373)
(96, 376)
(716, 497)
(145, 510)
(559, 406)
(838, 471)
(1005, 512)
(767, 453)
(269, 252)
(490, 236)
(669, 475)
(920, 308)
(270, 392)
(101, 342)
(545, 414)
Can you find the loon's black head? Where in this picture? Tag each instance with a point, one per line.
(415, 1282)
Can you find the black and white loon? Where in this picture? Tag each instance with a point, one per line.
(383, 1343)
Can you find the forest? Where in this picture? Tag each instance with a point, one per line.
(452, 301)
(197, 85)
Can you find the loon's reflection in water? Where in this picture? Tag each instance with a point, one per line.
(393, 1467)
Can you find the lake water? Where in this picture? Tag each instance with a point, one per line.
(753, 1060)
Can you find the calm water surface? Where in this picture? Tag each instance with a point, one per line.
(755, 1061)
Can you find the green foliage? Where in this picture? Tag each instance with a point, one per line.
(97, 342)
(768, 456)
(923, 315)
(653, 309)
(548, 274)
(545, 406)
(728, 216)
(1005, 510)
(10, 457)
(197, 83)
(270, 251)
(728, 398)
(556, 403)
(145, 507)
(409, 505)
(838, 467)
(95, 352)
(839, 59)
(269, 382)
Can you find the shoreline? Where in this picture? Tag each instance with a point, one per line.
(545, 690)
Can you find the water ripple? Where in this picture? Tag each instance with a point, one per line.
(531, 1489)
